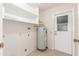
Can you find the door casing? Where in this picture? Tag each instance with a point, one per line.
(73, 28)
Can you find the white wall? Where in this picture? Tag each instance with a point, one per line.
(16, 38)
(47, 17)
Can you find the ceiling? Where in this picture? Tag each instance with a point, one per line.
(45, 6)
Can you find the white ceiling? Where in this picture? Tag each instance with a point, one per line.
(45, 6)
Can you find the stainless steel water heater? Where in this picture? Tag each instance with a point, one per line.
(41, 38)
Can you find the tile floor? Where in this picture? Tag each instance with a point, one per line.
(48, 53)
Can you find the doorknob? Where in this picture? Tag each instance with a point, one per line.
(1, 44)
(76, 40)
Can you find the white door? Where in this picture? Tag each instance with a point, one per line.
(63, 32)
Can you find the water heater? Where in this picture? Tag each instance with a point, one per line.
(41, 38)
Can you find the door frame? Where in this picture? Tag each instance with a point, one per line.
(73, 27)
(1, 27)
